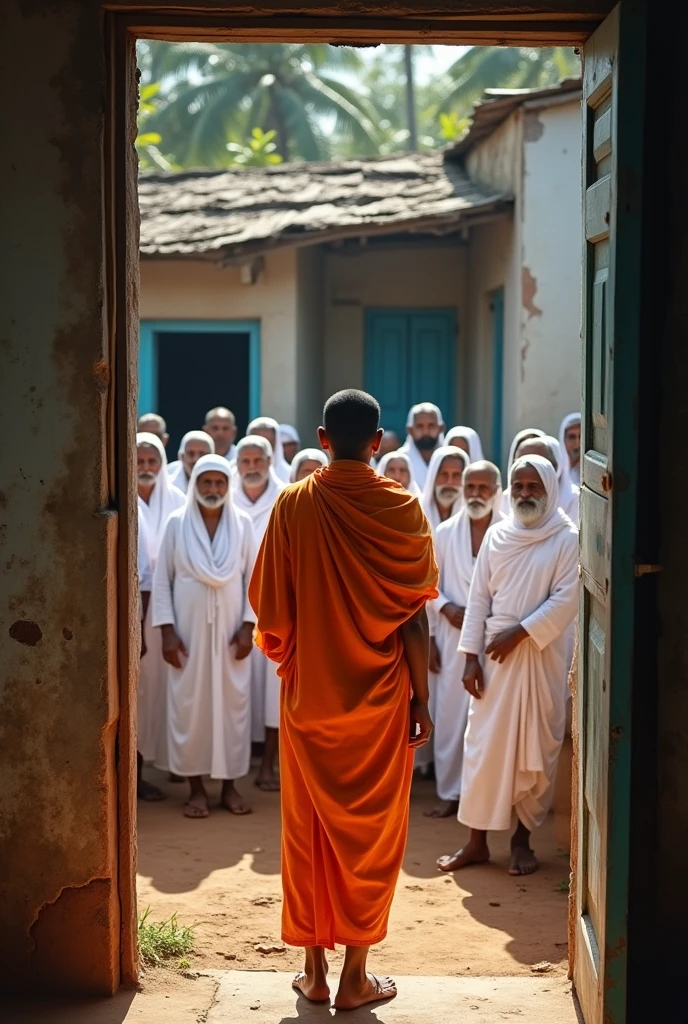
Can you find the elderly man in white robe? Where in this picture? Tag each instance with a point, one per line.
(306, 462)
(255, 488)
(570, 441)
(194, 445)
(220, 423)
(268, 428)
(291, 442)
(397, 466)
(468, 439)
(152, 423)
(144, 790)
(425, 433)
(522, 600)
(201, 607)
(158, 499)
(443, 488)
(457, 543)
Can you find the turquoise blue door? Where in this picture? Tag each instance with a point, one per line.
(410, 357)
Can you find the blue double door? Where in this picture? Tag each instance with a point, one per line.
(410, 357)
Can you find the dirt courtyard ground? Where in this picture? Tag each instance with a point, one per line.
(222, 876)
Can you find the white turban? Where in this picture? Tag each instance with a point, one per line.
(307, 455)
(289, 434)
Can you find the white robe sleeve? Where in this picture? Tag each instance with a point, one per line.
(559, 610)
(162, 611)
(249, 554)
(479, 605)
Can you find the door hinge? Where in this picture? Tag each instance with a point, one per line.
(645, 570)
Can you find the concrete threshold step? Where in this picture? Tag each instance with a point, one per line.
(259, 997)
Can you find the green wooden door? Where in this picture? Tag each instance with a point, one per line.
(613, 90)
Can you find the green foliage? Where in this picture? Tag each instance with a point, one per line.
(505, 67)
(260, 151)
(453, 127)
(206, 101)
(164, 942)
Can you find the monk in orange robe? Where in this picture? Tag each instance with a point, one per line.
(339, 588)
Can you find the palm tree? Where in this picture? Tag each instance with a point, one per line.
(505, 67)
(212, 95)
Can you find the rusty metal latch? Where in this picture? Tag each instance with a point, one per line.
(646, 570)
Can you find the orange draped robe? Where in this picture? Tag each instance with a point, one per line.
(346, 560)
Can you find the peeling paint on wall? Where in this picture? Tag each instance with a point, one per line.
(528, 292)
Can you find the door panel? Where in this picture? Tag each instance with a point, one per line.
(386, 369)
(432, 341)
(410, 358)
(613, 91)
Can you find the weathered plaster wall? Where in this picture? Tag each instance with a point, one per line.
(310, 343)
(551, 270)
(413, 277)
(496, 161)
(196, 290)
(492, 263)
(58, 614)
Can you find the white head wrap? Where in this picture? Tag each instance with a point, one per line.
(381, 469)
(471, 436)
(164, 499)
(521, 436)
(196, 435)
(279, 463)
(307, 455)
(429, 503)
(211, 562)
(289, 434)
(568, 421)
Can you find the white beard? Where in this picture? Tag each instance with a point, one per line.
(529, 514)
(478, 509)
(446, 496)
(209, 500)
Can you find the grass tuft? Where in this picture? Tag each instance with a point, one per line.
(164, 941)
(564, 885)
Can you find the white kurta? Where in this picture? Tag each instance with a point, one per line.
(265, 683)
(209, 699)
(516, 729)
(453, 550)
(152, 688)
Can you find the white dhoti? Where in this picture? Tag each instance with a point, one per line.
(200, 588)
(209, 699)
(152, 700)
(454, 551)
(515, 730)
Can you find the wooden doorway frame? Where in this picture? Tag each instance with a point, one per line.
(451, 22)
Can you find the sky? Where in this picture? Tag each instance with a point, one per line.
(443, 57)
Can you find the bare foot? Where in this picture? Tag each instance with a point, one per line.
(147, 791)
(315, 992)
(375, 989)
(233, 802)
(267, 783)
(446, 809)
(523, 861)
(471, 853)
(175, 778)
(197, 806)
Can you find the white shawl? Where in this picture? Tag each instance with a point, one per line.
(381, 468)
(428, 500)
(164, 499)
(307, 455)
(471, 436)
(214, 562)
(259, 511)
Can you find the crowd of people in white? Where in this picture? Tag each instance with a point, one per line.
(502, 628)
